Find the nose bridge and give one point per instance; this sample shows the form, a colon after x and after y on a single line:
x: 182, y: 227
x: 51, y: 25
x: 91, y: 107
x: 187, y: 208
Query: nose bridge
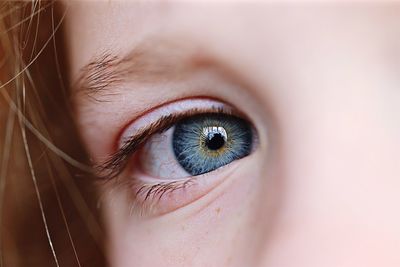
x: 335, y: 139
x: 336, y: 153
x: 339, y: 195
x: 338, y: 158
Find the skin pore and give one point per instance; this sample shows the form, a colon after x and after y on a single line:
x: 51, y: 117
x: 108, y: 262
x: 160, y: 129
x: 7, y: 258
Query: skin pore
x: 320, y: 85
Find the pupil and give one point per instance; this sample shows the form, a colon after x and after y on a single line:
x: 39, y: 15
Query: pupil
x: 215, y: 141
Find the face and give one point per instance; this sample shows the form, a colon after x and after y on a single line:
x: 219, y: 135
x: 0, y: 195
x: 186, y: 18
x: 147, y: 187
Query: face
x: 241, y: 134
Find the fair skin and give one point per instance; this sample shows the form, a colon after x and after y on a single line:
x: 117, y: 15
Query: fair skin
x: 320, y: 85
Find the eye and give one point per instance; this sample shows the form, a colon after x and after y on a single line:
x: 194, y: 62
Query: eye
x: 178, y: 152
x: 197, y: 145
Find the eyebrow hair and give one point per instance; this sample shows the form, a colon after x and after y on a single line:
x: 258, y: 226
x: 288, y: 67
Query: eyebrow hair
x: 99, y: 74
x: 146, y: 62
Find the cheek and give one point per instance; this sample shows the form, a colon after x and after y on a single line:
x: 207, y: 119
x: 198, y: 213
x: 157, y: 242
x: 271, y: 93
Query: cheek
x: 216, y: 229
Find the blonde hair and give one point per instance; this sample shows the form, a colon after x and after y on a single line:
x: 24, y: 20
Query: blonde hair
x: 47, y: 201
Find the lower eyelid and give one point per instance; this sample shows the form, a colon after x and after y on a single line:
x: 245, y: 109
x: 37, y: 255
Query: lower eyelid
x: 158, y: 203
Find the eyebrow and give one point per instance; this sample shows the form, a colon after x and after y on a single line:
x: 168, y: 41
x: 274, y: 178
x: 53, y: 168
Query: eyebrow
x: 147, y: 62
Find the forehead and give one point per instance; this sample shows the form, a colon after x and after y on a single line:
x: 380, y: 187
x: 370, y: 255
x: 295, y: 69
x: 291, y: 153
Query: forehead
x: 255, y: 37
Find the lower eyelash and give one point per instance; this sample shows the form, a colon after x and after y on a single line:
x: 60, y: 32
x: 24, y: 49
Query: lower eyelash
x: 147, y: 196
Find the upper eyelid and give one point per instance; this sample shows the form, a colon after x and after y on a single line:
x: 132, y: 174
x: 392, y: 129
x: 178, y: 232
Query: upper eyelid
x: 117, y: 162
x: 195, y: 104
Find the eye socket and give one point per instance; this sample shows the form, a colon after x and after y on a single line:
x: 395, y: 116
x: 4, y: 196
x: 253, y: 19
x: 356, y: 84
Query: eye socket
x: 171, y: 155
x: 197, y: 145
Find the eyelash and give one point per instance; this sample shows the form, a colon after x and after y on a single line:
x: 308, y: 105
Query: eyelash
x: 148, y: 194
x: 118, y: 161
x: 153, y: 193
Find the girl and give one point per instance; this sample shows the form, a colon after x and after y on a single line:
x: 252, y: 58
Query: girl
x: 218, y: 134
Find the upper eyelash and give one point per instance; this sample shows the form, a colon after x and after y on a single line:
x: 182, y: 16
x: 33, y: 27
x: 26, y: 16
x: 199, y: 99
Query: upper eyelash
x: 117, y: 162
x: 112, y: 167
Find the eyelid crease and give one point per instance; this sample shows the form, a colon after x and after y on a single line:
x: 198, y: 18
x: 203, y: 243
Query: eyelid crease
x: 112, y: 167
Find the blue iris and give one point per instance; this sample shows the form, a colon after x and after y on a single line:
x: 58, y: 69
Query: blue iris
x: 205, y: 142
